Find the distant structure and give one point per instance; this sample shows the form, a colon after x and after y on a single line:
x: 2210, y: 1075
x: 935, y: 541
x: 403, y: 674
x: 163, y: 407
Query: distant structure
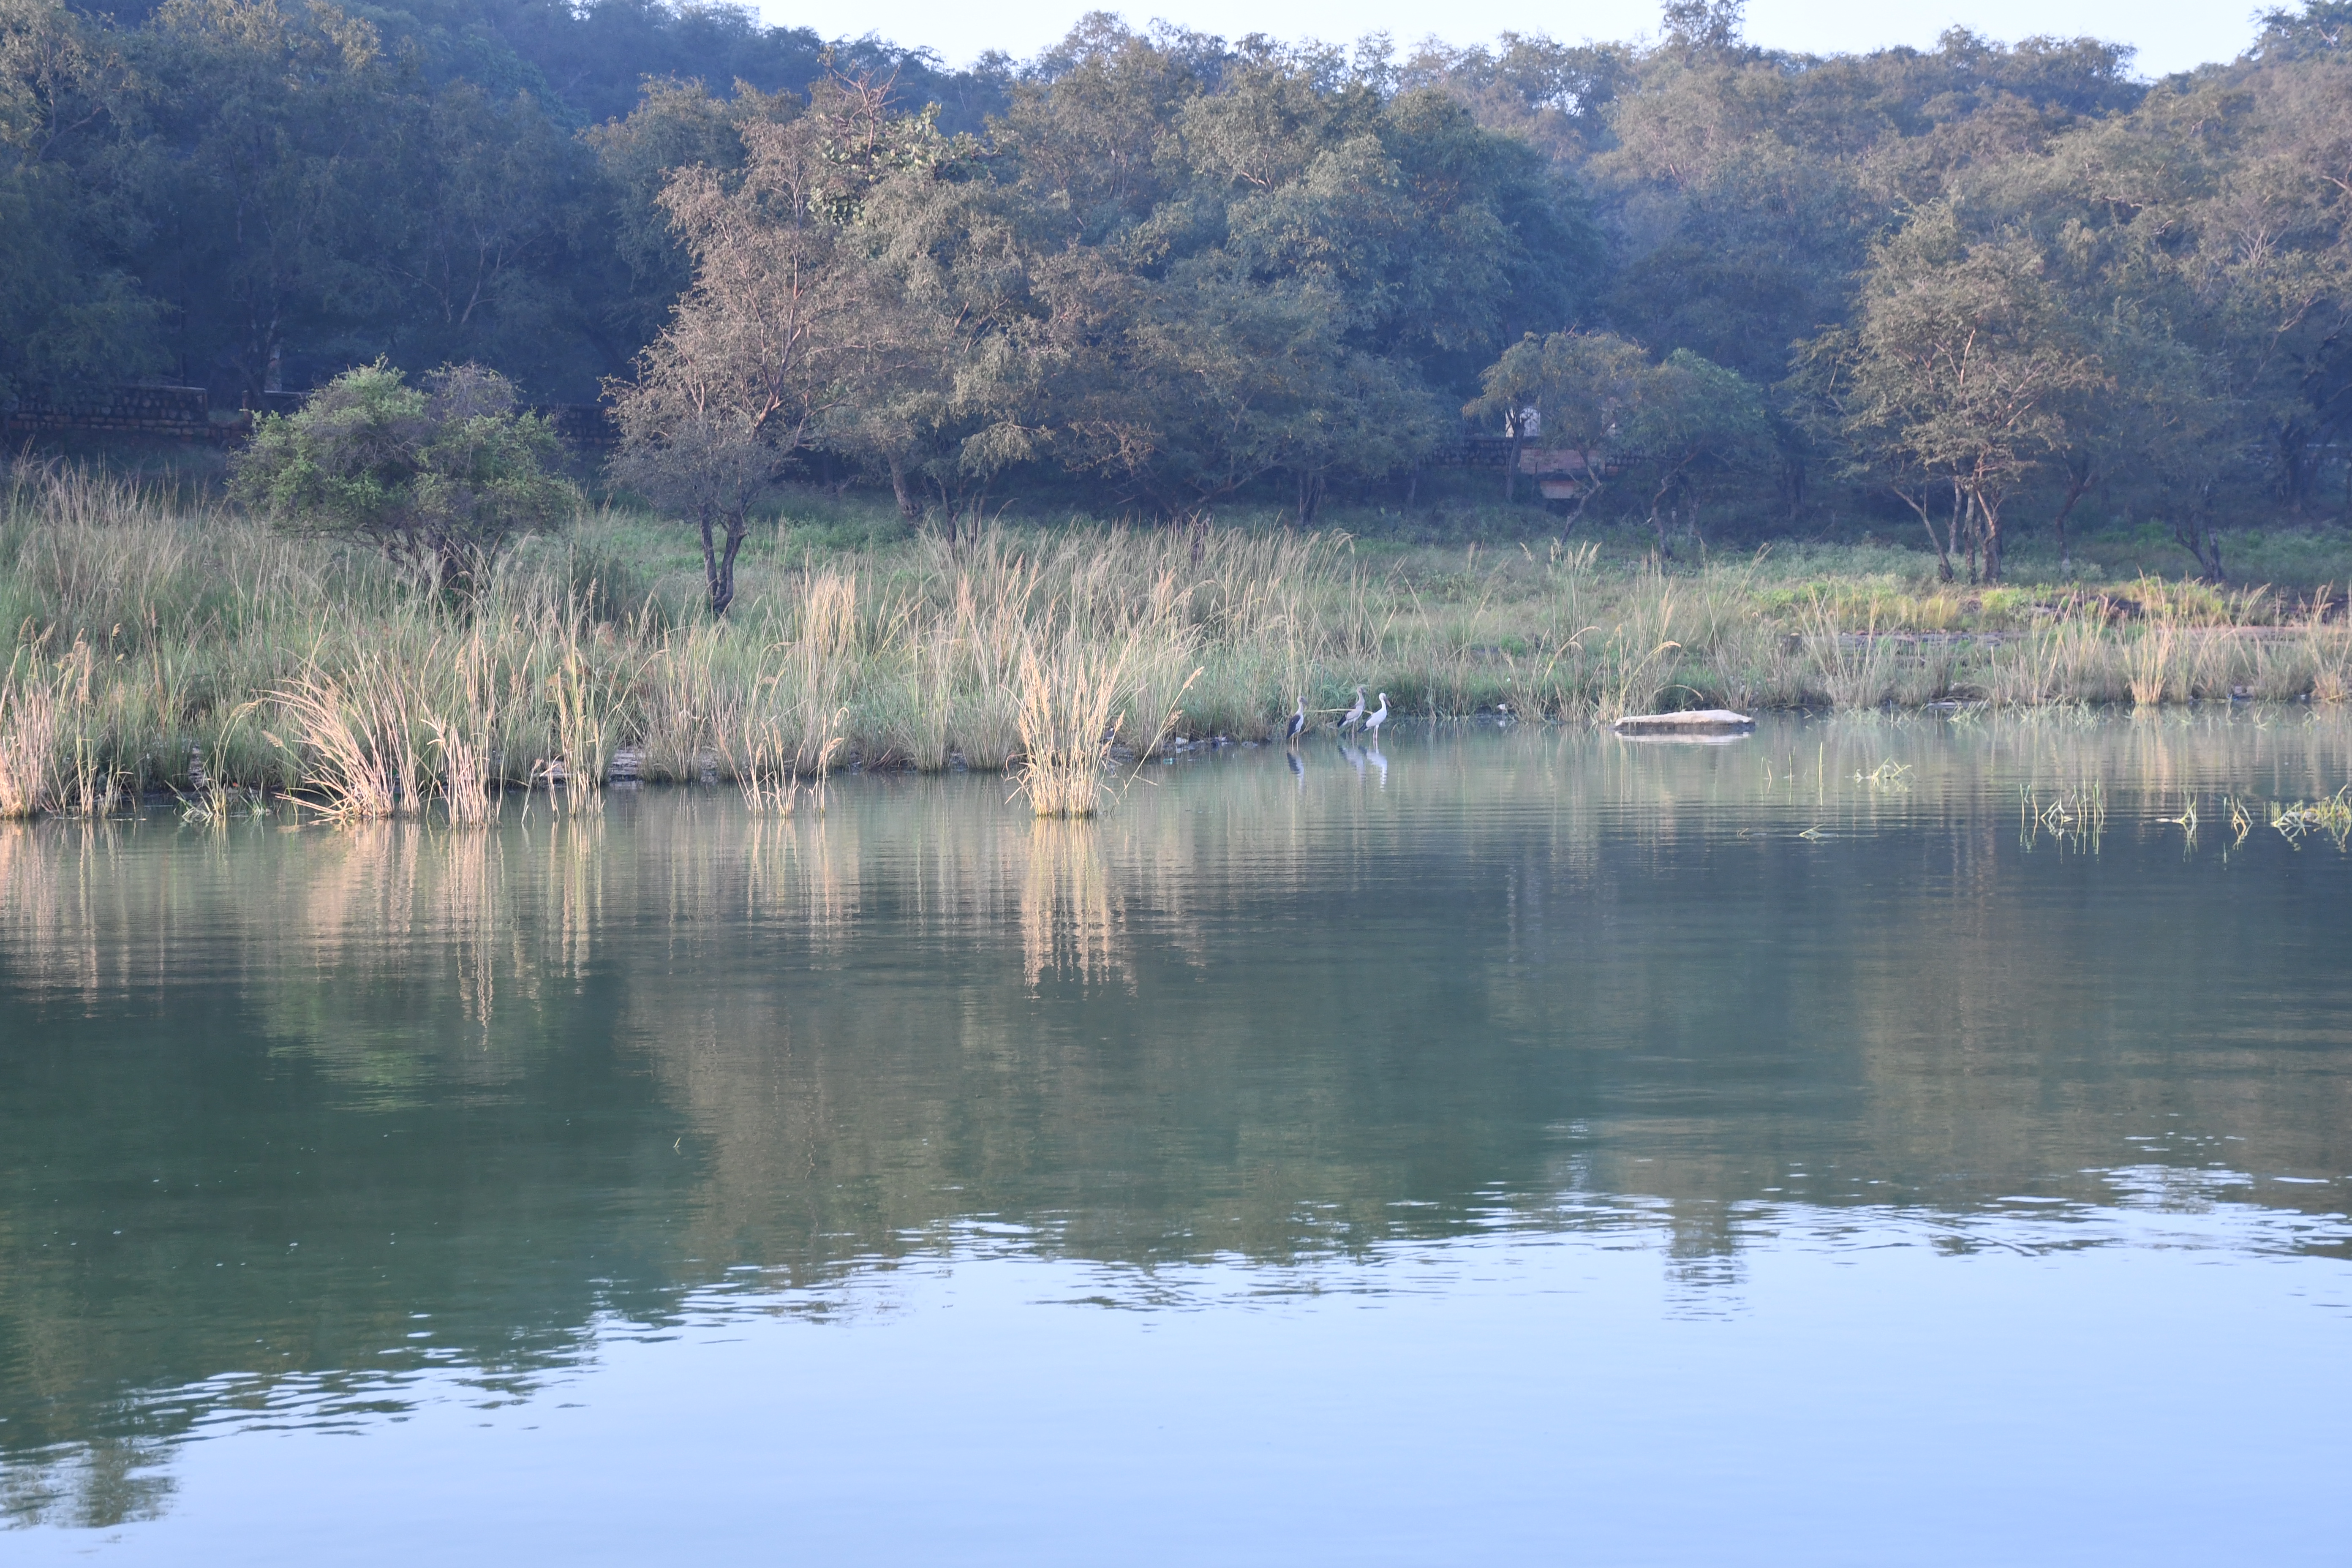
x: 1564, y: 474
x: 186, y: 413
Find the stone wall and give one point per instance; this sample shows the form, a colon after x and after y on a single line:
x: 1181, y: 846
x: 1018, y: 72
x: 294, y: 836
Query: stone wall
x: 184, y: 411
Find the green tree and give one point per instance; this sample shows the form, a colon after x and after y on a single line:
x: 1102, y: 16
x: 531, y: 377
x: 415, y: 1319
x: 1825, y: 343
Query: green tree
x: 69, y: 311
x: 488, y: 203
x: 1962, y: 362
x: 1697, y: 427
x: 267, y: 176
x: 709, y: 465
x: 773, y: 339
x: 443, y: 476
x: 675, y: 125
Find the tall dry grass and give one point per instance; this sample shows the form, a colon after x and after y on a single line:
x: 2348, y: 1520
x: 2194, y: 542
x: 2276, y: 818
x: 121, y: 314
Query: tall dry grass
x: 2330, y: 646
x: 1098, y: 670
x: 1856, y: 668
x: 158, y: 640
x: 28, y: 740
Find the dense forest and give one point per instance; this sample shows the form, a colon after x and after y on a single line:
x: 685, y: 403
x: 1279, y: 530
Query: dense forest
x: 1715, y: 289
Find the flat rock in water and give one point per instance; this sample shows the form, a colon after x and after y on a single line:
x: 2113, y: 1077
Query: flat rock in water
x: 1699, y: 721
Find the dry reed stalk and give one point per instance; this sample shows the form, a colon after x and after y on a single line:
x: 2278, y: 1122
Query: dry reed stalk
x: 463, y: 737
x: 2048, y: 665
x: 208, y: 803
x: 2331, y: 814
x: 763, y: 770
x: 28, y: 732
x: 1074, y: 696
x: 991, y: 622
x: 2076, y: 814
x: 927, y: 741
x: 40, y: 705
x: 2325, y: 648
x: 465, y: 790
x: 683, y: 702
x: 2150, y: 661
x: 581, y: 733
x: 86, y: 786
x: 346, y: 758
x: 822, y: 660
x: 1853, y: 669
x: 1068, y: 717
x: 93, y: 789
x: 2331, y: 651
x: 1626, y: 675
x: 767, y: 771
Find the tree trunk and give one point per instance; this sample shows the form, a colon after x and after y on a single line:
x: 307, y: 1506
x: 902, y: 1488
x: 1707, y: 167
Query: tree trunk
x: 1973, y: 538
x: 2297, y: 464
x: 722, y: 585
x: 1918, y: 505
x: 2196, y: 534
x: 1952, y: 530
x: 1793, y: 486
x: 908, y: 508
x: 1511, y: 464
x: 948, y: 521
x: 2079, y: 480
x: 711, y: 571
x: 1310, y: 496
x: 1661, y: 514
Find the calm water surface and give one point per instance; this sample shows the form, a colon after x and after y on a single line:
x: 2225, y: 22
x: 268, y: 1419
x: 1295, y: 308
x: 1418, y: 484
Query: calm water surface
x: 1861, y: 1143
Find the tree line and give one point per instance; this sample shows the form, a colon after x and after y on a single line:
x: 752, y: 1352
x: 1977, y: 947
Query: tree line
x: 1710, y: 287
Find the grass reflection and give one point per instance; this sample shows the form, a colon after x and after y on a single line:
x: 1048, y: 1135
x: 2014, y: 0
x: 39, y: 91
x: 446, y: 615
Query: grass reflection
x: 1070, y: 919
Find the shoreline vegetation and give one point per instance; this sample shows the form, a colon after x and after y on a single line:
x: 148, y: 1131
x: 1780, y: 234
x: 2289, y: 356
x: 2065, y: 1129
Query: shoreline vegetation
x: 162, y: 643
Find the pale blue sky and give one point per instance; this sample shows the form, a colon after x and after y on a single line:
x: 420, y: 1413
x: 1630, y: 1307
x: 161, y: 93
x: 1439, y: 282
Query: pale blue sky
x: 2170, y: 35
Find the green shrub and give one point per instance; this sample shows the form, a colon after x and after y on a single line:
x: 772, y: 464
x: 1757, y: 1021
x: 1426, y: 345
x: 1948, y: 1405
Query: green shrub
x: 443, y: 476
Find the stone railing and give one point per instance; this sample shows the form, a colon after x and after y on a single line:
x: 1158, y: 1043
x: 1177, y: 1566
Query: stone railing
x: 185, y: 413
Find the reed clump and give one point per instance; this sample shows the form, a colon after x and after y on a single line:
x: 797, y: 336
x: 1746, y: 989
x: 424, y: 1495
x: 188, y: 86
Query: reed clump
x: 2328, y: 637
x: 1855, y: 668
x: 158, y: 640
x: 29, y: 737
x: 1096, y: 670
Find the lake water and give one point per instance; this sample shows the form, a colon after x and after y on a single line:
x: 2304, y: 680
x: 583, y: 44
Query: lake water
x: 1863, y: 1141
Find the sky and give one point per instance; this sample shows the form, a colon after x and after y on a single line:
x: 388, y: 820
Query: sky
x: 2170, y: 35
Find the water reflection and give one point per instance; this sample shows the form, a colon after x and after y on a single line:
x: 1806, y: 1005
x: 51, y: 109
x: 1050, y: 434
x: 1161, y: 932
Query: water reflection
x: 289, y: 1116
x: 1071, y: 923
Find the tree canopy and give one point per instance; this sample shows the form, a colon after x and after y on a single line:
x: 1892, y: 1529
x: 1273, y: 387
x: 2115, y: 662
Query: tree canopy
x: 1170, y: 270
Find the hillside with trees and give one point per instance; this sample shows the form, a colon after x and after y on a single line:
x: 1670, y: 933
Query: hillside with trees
x: 1715, y: 290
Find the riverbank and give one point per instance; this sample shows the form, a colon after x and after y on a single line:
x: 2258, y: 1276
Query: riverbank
x: 166, y: 643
